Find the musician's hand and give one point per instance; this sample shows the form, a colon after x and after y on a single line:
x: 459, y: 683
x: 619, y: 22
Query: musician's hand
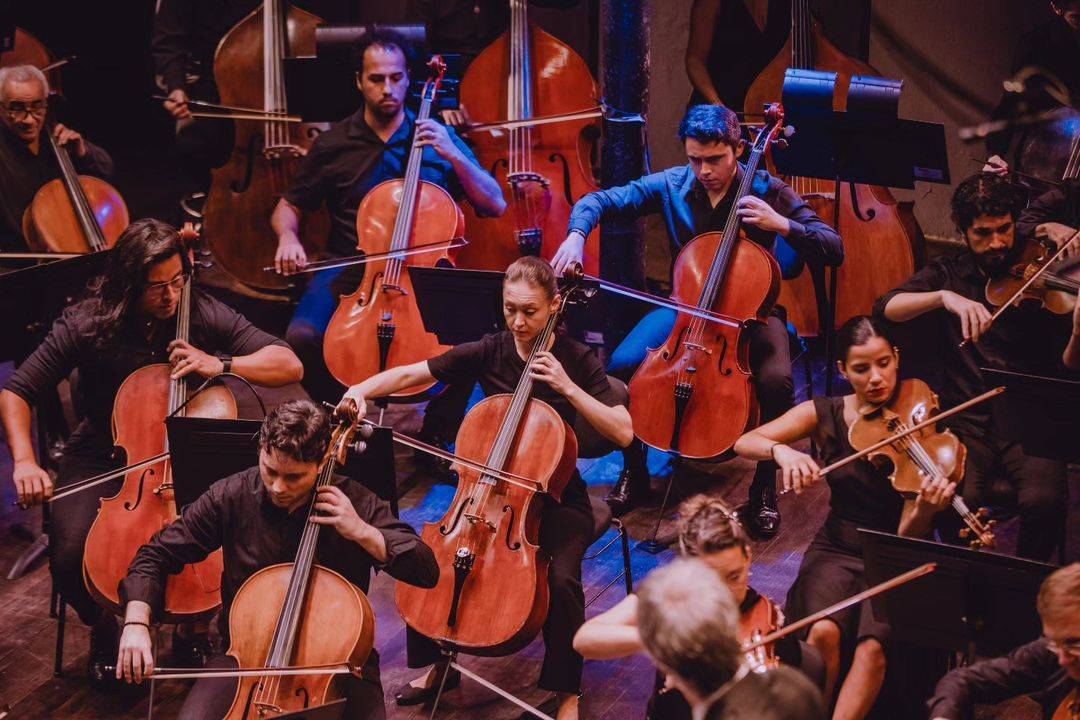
x: 290, y: 255
x: 68, y: 137
x: 136, y: 657
x: 177, y: 104
x: 547, y: 369
x: 353, y: 402
x: 1059, y: 235
x: 32, y: 483
x: 755, y: 211
x: 798, y: 470
x: 997, y: 165
x: 974, y: 317
x: 458, y: 119
x: 429, y: 132
x: 185, y: 359
x: 333, y: 508
x: 571, y: 251
x: 935, y: 495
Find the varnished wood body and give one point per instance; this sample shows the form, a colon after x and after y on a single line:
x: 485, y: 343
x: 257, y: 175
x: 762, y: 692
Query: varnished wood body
x: 504, y: 600
x: 559, y: 152
x: 244, y: 191
x: 337, y: 626
x: 760, y: 620
x: 28, y: 50
x: 722, y: 405
x: 51, y: 225
x: 1000, y: 290
x: 118, y: 532
x: 350, y: 346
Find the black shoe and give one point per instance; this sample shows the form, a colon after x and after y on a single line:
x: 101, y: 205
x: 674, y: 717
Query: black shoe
x: 760, y: 514
x: 412, y: 695
x: 629, y: 491
x: 104, y: 647
x: 190, y: 652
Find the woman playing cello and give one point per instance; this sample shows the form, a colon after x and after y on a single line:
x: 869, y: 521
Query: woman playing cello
x: 572, y: 380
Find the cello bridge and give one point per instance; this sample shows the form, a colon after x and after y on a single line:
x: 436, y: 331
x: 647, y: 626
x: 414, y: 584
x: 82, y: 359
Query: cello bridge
x: 697, y: 346
x: 478, y: 519
x: 167, y: 485
x: 265, y: 709
x: 387, y: 287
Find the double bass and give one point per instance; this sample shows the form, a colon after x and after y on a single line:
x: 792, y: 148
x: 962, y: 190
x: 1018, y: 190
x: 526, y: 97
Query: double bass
x: 249, y: 71
x: 379, y: 325
x: 543, y: 169
x: 146, y: 502
x: 883, y: 243
x: 28, y: 50
x: 701, y: 372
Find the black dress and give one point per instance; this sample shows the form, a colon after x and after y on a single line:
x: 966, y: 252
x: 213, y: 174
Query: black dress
x: 832, y: 568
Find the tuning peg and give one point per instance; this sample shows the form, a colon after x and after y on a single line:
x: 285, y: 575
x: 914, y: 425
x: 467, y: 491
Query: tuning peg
x: 788, y: 131
x: 358, y: 447
x: 781, y: 144
x: 965, y: 533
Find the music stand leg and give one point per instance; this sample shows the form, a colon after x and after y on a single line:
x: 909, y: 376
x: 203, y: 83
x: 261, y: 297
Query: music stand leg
x: 828, y: 323
x: 451, y: 662
x: 653, y: 545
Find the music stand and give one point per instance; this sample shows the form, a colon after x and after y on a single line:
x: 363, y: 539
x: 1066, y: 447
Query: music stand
x: 1037, y: 412
x: 458, y: 305
x: 330, y: 711
x: 976, y: 602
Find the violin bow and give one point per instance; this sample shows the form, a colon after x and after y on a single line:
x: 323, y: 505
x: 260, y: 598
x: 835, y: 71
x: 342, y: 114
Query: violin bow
x: 1034, y: 276
x: 908, y: 431
x: 165, y: 673
x: 372, y: 257
x: 233, y: 112
x: 103, y: 478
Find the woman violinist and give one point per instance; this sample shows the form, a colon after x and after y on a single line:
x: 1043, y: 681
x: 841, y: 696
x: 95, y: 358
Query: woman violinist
x: 572, y: 381
x: 707, y: 529
x: 861, y: 497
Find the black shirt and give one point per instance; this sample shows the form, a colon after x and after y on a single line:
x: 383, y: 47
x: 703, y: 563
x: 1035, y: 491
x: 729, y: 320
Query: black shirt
x: 349, y: 159
x: 779, y: 694
x: 1023, y: 339
x: 1060, y: 205
x: 1030, y: 669
x: 22, y: 173
x: 73, y: 344
x: 236, y: 515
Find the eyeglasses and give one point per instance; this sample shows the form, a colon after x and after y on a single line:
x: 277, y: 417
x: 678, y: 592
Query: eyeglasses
x: 158, y: 289
x: 19, y: 111
x: 1069, y: 646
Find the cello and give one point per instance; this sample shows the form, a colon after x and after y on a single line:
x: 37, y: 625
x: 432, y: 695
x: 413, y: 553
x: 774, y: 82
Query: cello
x: 249, y: 71
x: 883, y: 243
x: 379, y: 325
x: 528, y: 73
x: 700, y: 373
x: 146, y: 503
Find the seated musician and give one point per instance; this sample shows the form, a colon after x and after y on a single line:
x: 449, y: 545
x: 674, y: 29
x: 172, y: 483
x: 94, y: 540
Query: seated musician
x: 861, y: 497
x: 951, y: 292
x: 346, y: 162
x: 709, y: 530
x: 257, y: 516
x: 572, y: 380
x: 126, y: 323
x: 689, y: 625
x: 1048, y: 669
x: 697, y: 198
x: 26, y: 163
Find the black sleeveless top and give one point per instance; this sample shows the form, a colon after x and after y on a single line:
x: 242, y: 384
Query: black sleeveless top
x: 861, y: 494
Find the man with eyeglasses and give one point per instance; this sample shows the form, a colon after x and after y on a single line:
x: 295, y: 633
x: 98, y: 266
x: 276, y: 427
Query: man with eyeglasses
x: 1048, y: 669
x: 25, y: 165
x: 127, y: 321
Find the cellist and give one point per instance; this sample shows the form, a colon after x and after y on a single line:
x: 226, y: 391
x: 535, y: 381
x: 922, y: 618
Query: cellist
x: 257, y: 517
x: 24, y: 164
x: 572, y: 381
x: 951, y: 292
x: 125, y: 323
x: 344, y: 163
x: 693, y: 199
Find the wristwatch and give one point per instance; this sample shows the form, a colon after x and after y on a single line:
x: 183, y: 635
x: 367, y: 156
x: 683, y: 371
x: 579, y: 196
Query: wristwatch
x: 226, y: 363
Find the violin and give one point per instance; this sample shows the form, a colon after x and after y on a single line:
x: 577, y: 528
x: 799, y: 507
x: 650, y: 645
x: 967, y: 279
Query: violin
x: 492, y: 594
x: 74, y: 213
x: 764, y: 618
x: 544, y: 169
x: 1069, y: 709
x: 701, y: 373
x: 379, y: 325
x: 146, y: 502
x: 267, y: 146
x: 1056, y: 293
x: 918, y: 455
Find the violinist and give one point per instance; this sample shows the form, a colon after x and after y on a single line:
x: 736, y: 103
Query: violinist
x: 709, y: 530
x: 257, y: 517
x: 693, y: 199
x: 347, y: 161
x: 25, y: 165
x: 572, y: 380
x: 689, y: 623
x: 861, y: 497
x: 951, y: 291
x: 125, y: 323
x: 1048, y: 669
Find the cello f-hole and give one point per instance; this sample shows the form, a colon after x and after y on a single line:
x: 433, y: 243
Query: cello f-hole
x: 138, y: 496
x: 871, y: 213
x: 494, y: 169
x: 516, y: 545
x: 302, y: 692
x: 249, y: 168
x: 561, y: 159
x: 723, y: 356
x: 443, y: 529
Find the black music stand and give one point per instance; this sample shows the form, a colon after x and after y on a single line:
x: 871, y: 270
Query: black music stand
x: 458, y: 305
x: 1037, y: 412
x: 976, y: 602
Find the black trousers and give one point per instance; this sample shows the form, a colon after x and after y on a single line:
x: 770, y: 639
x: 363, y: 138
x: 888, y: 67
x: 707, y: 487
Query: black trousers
x: 210, y: 698
x: 1040, y: 486
x: 566, y: 531
x: 69, y: 523
x: 770, y: 363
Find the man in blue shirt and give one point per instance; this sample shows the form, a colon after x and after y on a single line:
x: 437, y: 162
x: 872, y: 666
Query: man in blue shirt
x: 346, y: 162
x: 694, y: 199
